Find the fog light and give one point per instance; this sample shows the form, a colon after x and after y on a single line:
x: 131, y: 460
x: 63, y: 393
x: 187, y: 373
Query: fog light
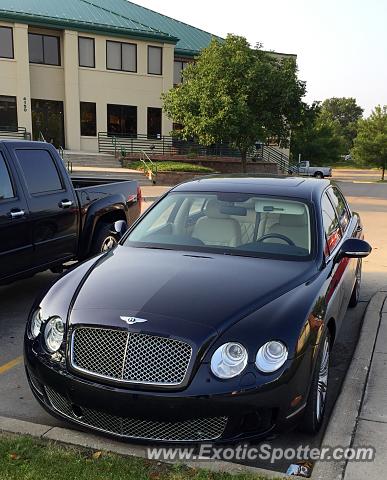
x: 77, y: 411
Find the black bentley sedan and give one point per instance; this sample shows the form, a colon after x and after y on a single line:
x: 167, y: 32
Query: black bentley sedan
x: 212, y: 320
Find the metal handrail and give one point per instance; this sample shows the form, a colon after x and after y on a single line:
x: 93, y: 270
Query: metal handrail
x: 41, y: 138
x: 150, y: 167
x: 68, y: 164
x: 270, y: 154
x: 12, y: 132
x: 170, y: 146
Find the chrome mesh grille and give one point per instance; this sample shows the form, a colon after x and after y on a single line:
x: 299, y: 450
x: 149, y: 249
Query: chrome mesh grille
x: 130, y: 357
x: 195, y: 430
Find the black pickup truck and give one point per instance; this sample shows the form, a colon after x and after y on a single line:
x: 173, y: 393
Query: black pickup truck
x: 48, y: 218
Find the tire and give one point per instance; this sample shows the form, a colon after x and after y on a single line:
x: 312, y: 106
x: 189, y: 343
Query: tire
x: 315, y: 408
x: 355, y: 296
x: 104, y: 239
x: 319, y: 175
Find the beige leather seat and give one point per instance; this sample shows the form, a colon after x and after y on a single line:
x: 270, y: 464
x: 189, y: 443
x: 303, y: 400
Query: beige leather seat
x: 295, y: 227
x: 216, y: 228
x: 247, y: 225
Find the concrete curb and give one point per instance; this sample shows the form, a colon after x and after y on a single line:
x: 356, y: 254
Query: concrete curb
x: 345, y: 415
x: 79, y: 439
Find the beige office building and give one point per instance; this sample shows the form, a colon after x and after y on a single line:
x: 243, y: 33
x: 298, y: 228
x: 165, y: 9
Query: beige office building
x: 71, y: 71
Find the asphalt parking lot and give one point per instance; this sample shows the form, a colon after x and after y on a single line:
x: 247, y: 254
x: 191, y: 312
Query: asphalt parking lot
x: 369, y: 199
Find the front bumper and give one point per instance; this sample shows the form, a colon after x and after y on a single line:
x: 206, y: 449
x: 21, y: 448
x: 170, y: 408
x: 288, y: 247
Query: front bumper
x: 193, y: 415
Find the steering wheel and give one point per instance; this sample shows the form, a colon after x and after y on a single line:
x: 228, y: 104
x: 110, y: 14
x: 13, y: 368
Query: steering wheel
x: 277, y: 235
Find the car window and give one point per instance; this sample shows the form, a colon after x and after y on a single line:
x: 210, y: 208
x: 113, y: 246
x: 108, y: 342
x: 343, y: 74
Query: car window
x: 331, y: 224
x: 6, y: 190
x: 197, y: 206
x: 232, y: 223
x: 341, y: 207
x: 164, y: 217
x: 40, y: 172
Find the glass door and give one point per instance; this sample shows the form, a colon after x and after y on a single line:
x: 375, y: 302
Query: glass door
x: 48, y: 120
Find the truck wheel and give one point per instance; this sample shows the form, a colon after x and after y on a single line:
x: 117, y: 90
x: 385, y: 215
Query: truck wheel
x: 319, y: 175
x: 104, y: 239
x: 315, y: 408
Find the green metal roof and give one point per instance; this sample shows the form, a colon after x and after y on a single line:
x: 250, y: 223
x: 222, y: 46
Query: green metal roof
x: 118, y: 17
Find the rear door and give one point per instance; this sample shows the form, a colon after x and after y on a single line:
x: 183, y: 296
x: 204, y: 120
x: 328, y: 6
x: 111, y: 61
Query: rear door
x: 16, y: 249
x: 53, y: 207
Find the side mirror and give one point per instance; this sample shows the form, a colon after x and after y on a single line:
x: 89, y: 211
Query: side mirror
x: 354, y: 248
x: 120, y: 227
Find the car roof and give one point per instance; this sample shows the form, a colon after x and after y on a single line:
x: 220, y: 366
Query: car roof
x: 284, y: 186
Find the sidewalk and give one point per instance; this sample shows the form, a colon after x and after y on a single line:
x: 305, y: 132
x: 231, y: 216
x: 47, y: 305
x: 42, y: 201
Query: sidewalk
x: 151, y: 193
x: 371, y: 428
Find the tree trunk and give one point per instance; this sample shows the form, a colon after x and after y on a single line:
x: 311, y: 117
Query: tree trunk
x: 244, y: 162
x: 383, y: 170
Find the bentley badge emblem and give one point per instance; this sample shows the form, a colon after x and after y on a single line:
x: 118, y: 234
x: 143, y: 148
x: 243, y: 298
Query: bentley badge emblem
x: 133, y: 320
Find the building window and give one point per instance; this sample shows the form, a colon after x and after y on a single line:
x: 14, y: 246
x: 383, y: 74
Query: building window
x: 121, y: 56
x: 6, y: 42
x: 122, y: 120
x: 155, y: 60
x: 8, y: 114
x: 44, y: 49
x: 86, y: 47
x: 179, y: 66
x: 88, y: 119
x: 154, y: 122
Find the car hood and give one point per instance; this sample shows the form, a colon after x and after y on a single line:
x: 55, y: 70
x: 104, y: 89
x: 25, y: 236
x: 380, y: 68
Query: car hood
x: 181, y: 292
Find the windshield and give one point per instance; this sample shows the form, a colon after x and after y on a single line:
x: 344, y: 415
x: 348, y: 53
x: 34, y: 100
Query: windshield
x: 235, y: 224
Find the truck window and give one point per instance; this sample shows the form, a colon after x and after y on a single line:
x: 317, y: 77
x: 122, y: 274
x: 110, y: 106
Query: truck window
x: 6, y: 190
x: 40, y: 172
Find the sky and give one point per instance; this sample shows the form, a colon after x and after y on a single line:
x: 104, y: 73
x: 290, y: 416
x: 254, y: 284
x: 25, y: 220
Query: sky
x: 341, y: 45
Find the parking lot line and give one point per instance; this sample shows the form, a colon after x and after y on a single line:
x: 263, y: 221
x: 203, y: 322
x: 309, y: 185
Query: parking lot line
x: 8, y: 366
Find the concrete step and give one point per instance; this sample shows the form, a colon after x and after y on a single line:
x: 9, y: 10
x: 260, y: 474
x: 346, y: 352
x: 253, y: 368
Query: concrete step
x: 92, y: 160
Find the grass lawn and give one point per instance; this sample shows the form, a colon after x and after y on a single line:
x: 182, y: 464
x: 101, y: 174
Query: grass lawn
x: 166, y: 166
x: 24, y: 458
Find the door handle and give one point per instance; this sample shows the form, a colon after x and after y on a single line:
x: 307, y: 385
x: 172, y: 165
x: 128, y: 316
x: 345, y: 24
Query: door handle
x: 16, y: 214
x: 65, y: 204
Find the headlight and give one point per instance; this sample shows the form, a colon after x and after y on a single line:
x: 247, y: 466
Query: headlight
x: 271, y: 357
x: 229, y: 360
x: 53, y: 334
x: 36, y: 323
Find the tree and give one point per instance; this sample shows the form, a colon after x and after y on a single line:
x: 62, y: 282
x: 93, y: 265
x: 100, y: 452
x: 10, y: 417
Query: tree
x: 238, y: 95
x: 315, y: 138
x: 345, y: 113
x: 370, y: 145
